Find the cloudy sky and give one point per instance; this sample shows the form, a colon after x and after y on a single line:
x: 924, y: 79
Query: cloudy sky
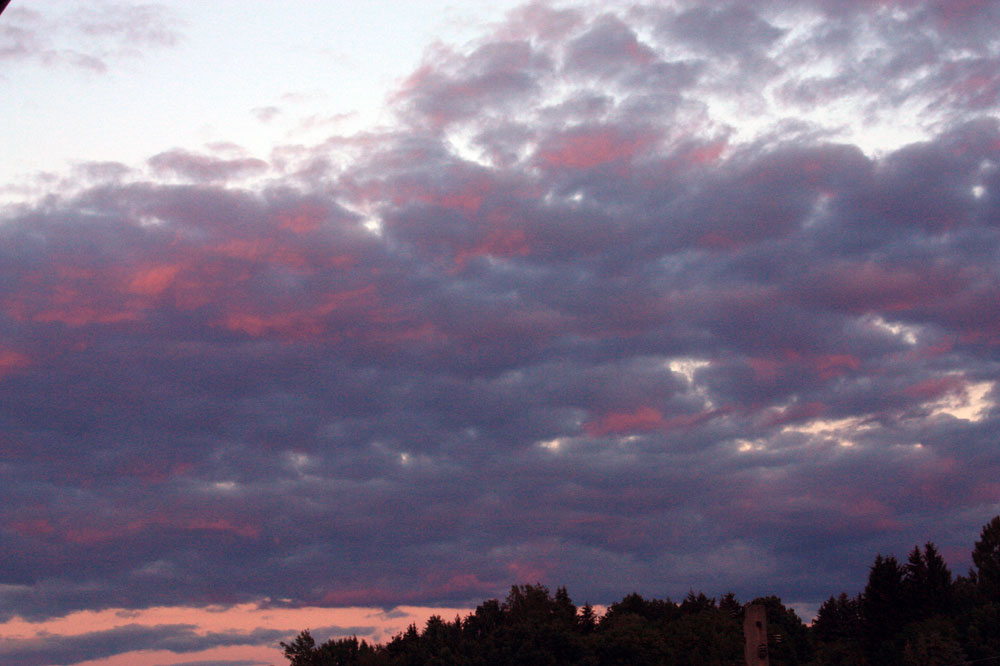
x: 333, y: 315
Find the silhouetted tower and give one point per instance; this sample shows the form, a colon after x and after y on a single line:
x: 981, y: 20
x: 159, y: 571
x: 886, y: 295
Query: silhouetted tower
x: 755, y: 635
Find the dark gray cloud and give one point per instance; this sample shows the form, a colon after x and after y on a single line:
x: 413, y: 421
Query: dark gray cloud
x: 584, y: 334
x: 608, y: 47
x: 725, y: 29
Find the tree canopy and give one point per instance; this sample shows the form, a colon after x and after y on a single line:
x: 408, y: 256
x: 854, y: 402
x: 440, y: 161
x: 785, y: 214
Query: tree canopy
x: 911, y: 614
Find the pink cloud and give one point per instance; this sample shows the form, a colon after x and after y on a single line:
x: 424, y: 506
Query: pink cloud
x: 935, y: 387
x: 829, y: 366
x: 498, y: 243
x: 33, y: 527
x: 708, y: 153
x: 152, y: 471
x: 588, y: 148
x: 871, y: 286
x: 83, y: 315
x: 12, y: 361
x: 765, y: 369
x: 823, y: 366
x: 153, y: 280
x: 454, y: 584
x: 305, y: 219
x: 642, y: 419
x: 377, y: 625
x: 101, y: 533
x: 953, y: 12
x: 934, y: 480
x: 872, y: 513
x: 458, y: 190
x: 300, y: 324
x: 70, y: 295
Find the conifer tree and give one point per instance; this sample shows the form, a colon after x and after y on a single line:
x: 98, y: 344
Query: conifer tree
x: 986, y: 558
x: 883, y: 610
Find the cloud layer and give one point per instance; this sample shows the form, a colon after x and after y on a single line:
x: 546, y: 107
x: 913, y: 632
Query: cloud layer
x: 649, y: 300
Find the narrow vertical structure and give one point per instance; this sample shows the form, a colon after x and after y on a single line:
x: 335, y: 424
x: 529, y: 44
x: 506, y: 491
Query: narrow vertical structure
x: 755, y: 635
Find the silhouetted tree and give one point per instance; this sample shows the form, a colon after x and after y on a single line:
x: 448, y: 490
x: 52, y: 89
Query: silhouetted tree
x: 932, y: 642
x: 986, y: 558
x: 405, y: 648
x: 696, y: 603
x: 346, y: 652
x: 539, y: 629
x: 837, y: 631
x: 927, y: 584
x: 653, y: 610
x: 838, y: 619
x: 794, y: 645
x: 628, y: 639
x: 909, y: 615
x: 484, y: 621
x: 565, y: 611
x: 703, y: 634
x: 586, y: 619
x: 883, y: 611
x: 301, y: 651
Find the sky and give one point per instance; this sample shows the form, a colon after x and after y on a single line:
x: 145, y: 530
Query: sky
x: 338, y: 315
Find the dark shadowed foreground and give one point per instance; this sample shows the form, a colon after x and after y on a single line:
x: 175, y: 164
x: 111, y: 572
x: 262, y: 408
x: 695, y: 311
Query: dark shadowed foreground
x: 911, y: 614
x: 612, y: 301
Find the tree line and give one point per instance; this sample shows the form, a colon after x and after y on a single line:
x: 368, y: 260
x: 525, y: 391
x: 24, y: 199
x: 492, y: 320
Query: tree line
x: 912, y: 613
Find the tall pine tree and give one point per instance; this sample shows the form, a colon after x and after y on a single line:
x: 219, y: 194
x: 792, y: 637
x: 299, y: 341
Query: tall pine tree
x: 883, y: 610
x: 986, y: 558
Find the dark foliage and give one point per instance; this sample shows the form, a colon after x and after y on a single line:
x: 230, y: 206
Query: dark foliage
x: 986, y: 558
x: 912, y: 614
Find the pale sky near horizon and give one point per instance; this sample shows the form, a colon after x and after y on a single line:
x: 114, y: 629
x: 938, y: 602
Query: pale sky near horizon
x: 257, y: 75
x: 378, y: 308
